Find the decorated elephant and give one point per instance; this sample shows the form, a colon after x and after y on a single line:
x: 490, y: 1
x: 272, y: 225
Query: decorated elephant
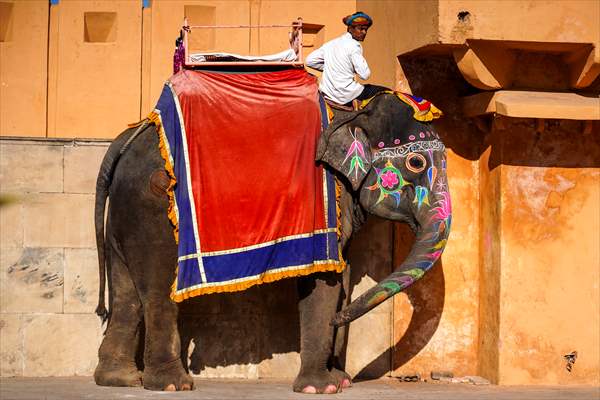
x: 387, y: 160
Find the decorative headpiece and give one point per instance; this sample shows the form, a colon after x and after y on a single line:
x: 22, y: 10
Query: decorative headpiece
x: 358, y: 18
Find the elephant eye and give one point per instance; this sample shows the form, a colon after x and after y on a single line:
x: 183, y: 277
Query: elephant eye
x: 415, y: 162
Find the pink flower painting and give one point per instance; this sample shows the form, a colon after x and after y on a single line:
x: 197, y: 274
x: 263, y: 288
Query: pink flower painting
x: 389, y: 179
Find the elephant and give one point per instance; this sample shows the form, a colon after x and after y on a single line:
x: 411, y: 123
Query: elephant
x: 387, y: 162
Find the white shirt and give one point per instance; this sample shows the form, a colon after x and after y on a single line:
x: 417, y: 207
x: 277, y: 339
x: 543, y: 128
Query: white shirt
x: 340, y: 59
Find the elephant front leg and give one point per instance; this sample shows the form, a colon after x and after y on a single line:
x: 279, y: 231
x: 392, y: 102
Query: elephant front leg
x: 319, y: 297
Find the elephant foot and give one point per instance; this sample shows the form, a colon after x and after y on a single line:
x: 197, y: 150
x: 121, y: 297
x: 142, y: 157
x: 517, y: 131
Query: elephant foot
x: 115, y: 373
x: 168, y: 377
x: 342, y: 377
x: 317, y: 382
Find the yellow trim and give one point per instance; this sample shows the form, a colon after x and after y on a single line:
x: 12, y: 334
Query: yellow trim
x: 338, y: 214
x: 263, y: 278
x: 136, y: 124
x: 330, y: 113
x: 172, y: 214
x: 424, y: 116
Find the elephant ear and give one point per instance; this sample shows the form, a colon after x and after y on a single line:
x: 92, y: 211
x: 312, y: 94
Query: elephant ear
x: 347, y: 150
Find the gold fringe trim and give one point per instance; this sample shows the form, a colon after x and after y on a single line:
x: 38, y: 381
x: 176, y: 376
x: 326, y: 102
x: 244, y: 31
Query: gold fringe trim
x: 266, y: 278
x: 338, y: 215
x: 338, y: 209
x: 136, y: 124
x: 424, y: 116
x: 154, y: 118
x: 330, y: 113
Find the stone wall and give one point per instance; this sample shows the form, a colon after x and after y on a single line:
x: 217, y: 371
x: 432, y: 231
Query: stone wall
x: 48, y: 263
x: 49, y: 283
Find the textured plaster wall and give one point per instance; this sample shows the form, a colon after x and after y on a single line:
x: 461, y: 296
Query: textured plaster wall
x: 550, y: 253
x: 544, y: 21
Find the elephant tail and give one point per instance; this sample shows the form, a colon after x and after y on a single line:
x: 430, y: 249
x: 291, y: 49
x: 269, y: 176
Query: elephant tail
x: 103, y: 182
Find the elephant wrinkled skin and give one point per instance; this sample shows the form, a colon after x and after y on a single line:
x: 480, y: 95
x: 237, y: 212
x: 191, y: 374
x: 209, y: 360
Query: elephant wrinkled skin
x: 388, y: 164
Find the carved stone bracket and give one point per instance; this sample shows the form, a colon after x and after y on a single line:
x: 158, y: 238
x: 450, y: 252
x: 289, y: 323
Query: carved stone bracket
x: 499, y: 64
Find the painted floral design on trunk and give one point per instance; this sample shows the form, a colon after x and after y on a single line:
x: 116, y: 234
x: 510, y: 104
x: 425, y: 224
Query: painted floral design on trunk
x: 434, y: 240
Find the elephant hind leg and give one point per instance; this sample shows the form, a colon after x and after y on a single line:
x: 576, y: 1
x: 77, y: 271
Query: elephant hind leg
x: 153, y: 271
x: 116, y: 365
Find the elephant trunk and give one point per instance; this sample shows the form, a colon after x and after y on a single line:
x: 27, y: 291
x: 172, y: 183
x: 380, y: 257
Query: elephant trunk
x: 431, y: 237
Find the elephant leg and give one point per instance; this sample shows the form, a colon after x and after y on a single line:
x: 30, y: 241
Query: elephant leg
x: 116, y: 366
x: 164, y: 369
x: 153, y: 274
x: 319, y: 298
x: 341, y: 336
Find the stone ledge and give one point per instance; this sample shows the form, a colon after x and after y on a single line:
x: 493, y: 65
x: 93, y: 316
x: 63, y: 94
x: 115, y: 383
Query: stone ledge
x: 54, y: 141
x: 527, y: 104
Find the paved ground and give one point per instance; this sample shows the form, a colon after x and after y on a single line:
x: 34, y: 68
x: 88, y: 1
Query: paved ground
x: 384, y: 389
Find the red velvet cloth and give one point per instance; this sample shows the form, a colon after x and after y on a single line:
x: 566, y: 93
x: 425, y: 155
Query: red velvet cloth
x: 251, y: 141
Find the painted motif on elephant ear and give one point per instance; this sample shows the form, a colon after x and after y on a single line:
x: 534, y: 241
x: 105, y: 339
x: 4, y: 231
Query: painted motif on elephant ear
x: 389, y: 183
x: 356, y: 155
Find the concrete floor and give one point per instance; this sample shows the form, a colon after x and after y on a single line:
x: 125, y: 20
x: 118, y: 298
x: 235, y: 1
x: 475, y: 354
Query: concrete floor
x: 383, y: 389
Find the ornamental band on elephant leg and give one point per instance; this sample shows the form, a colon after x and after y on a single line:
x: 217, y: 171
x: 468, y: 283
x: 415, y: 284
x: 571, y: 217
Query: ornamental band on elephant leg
x: 387, y: 158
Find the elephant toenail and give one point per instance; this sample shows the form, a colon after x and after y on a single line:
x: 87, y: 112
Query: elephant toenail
x: 170, y: 388
x: 331, y: 389
x: 186, y: 387
x: 310, y: 390
x: 346, y: 383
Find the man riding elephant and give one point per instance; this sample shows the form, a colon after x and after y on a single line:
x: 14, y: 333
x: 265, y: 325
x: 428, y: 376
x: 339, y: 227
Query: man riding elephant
x: 341, y: 59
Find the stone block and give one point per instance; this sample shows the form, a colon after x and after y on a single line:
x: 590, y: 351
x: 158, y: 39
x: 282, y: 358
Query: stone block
x: 11, y: 345
x: 280, y: 344
x: 81, y: 280
x: 61, y: 344
x: 31, y: 280
x: 59, y: 220
x: 31, y: 167
x: 81, y: 167
x: 280, y: 366
x: 11, y: 224
x: 369, y: 356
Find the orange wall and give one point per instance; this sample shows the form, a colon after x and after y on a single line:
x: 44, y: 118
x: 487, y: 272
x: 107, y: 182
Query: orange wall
x: 544, y: 21
x: 93, y: 76
x: 398, y: 27
x: 23, y: 61
x: 93, y: 80
x: 550, y: 254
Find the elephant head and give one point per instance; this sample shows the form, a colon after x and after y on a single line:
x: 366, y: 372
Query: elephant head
x: 396, y: 165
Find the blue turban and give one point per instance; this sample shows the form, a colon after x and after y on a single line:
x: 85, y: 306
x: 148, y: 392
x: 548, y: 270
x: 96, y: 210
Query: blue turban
x: 358, y: 18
